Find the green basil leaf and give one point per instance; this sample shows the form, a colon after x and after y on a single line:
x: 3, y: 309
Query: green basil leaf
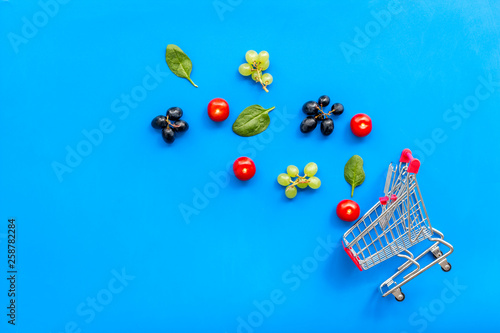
x: 252, y: 121
x: 179, y: 63
x: 354, y: 173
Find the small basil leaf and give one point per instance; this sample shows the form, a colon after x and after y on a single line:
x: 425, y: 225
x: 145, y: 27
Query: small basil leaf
x: 179, y: 63
x: 252, y: 121
x: 354, y: 173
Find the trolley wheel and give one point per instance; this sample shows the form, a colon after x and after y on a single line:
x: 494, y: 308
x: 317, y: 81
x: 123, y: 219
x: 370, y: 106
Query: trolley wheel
x: 447, y: 270
x: 439, y: 254
x: 402, y: 298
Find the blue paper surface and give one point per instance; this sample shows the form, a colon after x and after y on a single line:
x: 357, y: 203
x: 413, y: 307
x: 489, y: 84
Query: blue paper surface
x: 116, y: 231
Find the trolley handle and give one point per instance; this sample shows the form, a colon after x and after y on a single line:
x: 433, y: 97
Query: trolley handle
x: 407, y: 157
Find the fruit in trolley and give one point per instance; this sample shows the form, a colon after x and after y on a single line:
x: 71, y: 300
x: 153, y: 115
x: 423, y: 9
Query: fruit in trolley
x: 392, y: 227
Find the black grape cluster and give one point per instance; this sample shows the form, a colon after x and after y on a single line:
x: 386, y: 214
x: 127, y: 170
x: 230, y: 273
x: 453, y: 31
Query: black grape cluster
x: 170, y: 124
x: 315, y: 113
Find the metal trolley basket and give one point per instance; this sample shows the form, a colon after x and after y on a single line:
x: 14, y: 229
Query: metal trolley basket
x: 395, y: 223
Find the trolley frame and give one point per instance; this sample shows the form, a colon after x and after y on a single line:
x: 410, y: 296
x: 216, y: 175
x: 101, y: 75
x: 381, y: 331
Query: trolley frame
x: 398, y: 221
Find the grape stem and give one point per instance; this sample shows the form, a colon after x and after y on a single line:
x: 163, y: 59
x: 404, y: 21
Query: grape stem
x: 255, y: 66
x: 322, y: 113
x: 173, y: 125
x: 299, y: 180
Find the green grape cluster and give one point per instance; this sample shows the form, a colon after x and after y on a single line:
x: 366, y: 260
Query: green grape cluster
x: 256, y: 64
x: 286, y: 179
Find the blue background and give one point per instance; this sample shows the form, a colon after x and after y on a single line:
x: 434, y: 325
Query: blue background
x: 120, y: 206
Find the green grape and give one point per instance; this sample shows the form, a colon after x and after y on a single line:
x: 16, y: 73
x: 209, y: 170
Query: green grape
x: 311, y: 169
x: 263, y: 57
x: 267, y: 79
x: 245, y: 69
x: 314, y: 182
x: 291, y: 192
x: 265, y: 65
x: 255, y: 76
x: 302, y: 185
x: 284, y: 179
x: 292, y: 171
x: 251, y: 56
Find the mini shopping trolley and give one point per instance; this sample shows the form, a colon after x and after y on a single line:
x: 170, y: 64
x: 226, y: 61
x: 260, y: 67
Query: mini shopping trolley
x: 393, y: 225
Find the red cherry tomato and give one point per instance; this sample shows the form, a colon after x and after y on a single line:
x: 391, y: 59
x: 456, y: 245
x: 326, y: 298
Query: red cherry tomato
x: 348, y: 210
x: 244, y: 168
x: 361, y: 124
x: 218, y: 109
